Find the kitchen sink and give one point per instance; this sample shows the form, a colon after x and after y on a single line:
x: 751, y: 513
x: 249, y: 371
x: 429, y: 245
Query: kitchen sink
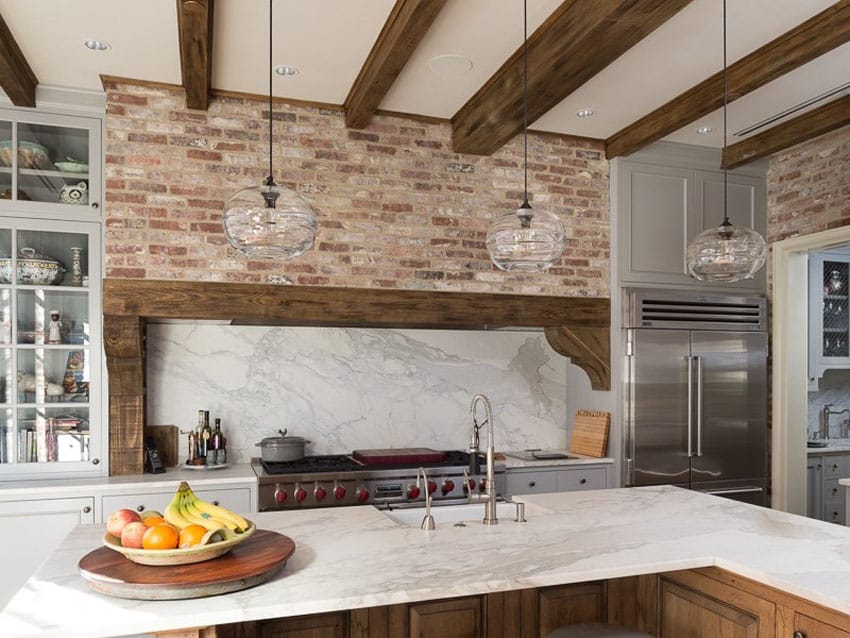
x: 466, y: 513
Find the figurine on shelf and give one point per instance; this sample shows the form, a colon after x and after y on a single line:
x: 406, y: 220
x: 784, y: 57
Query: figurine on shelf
x: 54, y: 328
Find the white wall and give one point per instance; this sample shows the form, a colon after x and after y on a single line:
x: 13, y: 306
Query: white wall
x: 348, y: 389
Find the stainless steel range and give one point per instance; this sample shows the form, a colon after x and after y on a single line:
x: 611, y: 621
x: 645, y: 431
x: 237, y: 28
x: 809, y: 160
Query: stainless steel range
x: 333, y: 480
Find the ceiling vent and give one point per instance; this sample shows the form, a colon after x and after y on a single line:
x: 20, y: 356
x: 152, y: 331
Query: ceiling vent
x: 814, y: 101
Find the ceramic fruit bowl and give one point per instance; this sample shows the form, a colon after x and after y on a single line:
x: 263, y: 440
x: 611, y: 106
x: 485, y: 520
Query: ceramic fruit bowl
x: 196, y: 554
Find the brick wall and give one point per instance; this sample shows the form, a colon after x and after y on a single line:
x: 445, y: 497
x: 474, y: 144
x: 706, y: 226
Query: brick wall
x: 808, y: 187
x: 396, y: 207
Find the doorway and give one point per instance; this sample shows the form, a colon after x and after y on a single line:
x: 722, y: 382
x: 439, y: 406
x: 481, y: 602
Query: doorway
x: 789, y: 403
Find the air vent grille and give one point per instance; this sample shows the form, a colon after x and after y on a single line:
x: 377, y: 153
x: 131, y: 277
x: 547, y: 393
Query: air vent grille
x: 697, y: 312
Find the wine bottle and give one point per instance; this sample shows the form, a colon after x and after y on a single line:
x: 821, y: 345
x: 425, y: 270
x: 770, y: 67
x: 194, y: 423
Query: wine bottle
x: 206, y: 433
x: 217, y: 436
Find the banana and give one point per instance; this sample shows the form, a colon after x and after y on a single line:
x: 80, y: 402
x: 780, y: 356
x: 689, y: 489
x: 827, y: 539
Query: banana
x: 189, y: 506
x: 232, y: 520
x: 173, y: 514
x: 191, y: 514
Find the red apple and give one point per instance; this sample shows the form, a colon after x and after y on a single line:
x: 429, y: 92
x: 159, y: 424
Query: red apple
x: 117, y: 520
x: 132, y: 534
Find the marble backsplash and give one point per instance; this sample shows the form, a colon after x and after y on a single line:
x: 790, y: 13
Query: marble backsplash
x: 346, y: 389
x: 834, y: 388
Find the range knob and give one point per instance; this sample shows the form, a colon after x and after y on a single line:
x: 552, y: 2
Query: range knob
x: 339, y: 492
x: 280, y: 495
x: 362, y: 494
x: 432, y: 487
x: 320, y: 493
x: 469, y: 486
x: 448, y: 486
x: 300, y: 494
x: 413, y: 492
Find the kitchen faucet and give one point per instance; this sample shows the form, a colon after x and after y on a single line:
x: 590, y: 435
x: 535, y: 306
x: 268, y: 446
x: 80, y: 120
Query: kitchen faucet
x: 489, y: 497
x: 428, y: 520
x: 827, y: 412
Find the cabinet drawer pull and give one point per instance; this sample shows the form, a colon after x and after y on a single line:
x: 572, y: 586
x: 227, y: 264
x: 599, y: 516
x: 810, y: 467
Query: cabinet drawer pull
x: 583, y: 481
x: 140, y: 508
x: 532, y: 483
x: 835, y: 467
x: 799, y: 634
x: 86, y: 509
x: 215, y: 502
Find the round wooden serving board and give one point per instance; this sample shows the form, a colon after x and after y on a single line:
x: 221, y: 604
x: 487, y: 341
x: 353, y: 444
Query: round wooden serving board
x: 250, y: 563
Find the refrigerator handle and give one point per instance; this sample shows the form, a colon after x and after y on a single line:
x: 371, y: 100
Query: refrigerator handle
x: 689, y: 360
x: 698, y: 361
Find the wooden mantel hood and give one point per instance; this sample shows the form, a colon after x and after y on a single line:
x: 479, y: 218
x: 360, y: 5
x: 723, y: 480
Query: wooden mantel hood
x: 576, y: 327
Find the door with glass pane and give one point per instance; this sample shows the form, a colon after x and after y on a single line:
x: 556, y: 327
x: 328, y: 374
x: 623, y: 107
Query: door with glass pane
x: 829, y: 312
x: 49, y: 346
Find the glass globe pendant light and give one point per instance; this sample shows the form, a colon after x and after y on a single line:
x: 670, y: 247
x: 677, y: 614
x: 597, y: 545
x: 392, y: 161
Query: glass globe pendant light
x: 727, y: 253
x: 526, y: 240
x: 269, y: 221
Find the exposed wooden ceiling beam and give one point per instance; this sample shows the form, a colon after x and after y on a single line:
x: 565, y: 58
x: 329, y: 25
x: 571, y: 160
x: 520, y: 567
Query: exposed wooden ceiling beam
x: 823, y: 119
x: 576, y: 42
x: 824, y: 32
x: 16, y: 77
x: 195, y: 25
x: 404, y: 29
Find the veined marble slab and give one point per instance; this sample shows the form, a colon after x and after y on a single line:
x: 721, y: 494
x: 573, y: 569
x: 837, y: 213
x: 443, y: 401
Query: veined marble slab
x: 357, y: 557
x: 346, y: 389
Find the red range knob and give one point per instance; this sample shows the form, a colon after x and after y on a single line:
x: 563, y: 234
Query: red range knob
x: 339, y: 492
x: 413, y: 492
x: 280, y: 495
x: 432, y: 487
x: 300, y: 494
x: 320, y: 493
x: 469, y: 486
x: 362, y: 494
x: 448, y: 486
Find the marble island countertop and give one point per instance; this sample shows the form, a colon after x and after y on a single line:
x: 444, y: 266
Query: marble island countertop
x: 357, y: 557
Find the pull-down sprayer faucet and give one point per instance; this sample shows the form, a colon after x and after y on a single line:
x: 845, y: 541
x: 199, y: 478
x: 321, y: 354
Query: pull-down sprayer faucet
x: 489, y: 497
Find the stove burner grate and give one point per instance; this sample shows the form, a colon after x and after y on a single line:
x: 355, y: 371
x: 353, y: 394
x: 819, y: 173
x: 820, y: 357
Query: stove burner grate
x: 326, y: 463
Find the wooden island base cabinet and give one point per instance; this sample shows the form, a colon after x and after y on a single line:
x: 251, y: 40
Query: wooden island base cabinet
x: 698, y: 603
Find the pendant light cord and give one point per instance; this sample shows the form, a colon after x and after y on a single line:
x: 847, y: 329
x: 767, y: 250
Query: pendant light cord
x: 270, y: 178
x: 525, y: 203
x: 725, y: 107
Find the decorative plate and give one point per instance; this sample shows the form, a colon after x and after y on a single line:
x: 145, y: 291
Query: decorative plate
x: 72, y: 167
x: 196, y: 554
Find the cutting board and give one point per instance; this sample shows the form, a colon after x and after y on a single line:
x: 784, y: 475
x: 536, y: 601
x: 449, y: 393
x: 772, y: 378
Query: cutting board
x: 254, y: 561
x: 590, y: 433
x: 399, y: 456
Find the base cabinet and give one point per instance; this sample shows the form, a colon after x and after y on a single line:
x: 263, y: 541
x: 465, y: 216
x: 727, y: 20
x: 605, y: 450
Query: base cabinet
x: 556, y: 478
x: 698, y: 603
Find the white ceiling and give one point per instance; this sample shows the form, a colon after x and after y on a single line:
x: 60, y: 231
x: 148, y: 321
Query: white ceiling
x: 328, y: 41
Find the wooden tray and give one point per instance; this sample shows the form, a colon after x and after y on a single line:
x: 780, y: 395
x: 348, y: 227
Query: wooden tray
x: 252, y: 562
x: 399, y: 456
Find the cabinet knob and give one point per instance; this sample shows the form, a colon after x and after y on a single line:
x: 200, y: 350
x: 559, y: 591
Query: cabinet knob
x: 86, y: 509
x: 799, y: 634
x: 583, y: 481
x: 140, y: 508
x: 95, y: 461
x: 532, y: 483
x: 215, y: 502
x: 95, y: 205
x: 834, y: 466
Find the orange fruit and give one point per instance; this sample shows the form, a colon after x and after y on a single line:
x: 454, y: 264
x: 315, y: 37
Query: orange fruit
x: 162, y: 536
x: 191, y: 535
x: 150, y: 521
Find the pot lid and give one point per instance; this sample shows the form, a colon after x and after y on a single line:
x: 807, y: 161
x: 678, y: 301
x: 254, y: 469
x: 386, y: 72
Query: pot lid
x: 283, y: 439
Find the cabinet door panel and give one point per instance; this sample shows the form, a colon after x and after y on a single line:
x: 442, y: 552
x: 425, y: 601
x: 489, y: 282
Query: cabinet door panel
x: 582, y: 479
x: 531, y: 482
x: 570, y: 605
x: 319, y: 626
x: 456, y: 618
x: 688, y: 613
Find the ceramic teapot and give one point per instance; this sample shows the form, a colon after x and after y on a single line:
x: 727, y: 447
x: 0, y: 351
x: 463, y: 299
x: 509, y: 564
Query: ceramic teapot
x: 74, y: 193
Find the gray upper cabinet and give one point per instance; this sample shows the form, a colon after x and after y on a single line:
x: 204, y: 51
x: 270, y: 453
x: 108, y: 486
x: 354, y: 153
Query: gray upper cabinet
x: 664, y: 199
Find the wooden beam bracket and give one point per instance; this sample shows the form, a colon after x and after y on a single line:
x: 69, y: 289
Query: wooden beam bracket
x: 16, y: 77
x: 195, y: 27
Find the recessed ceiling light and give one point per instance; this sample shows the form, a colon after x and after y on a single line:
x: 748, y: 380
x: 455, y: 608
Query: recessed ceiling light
x: 98, y: 45
x: 585, y: 113
x: 450, y: 64
x: 705, y: 130
x: 285, y: 70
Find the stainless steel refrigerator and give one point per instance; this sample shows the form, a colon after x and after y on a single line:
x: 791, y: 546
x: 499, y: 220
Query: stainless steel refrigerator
x: 696, y: 392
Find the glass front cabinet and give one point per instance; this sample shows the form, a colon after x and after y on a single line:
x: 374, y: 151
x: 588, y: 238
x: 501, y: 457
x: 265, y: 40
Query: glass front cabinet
x: 50, y: 163
x: 51, y: 384
x: 829, y: 313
